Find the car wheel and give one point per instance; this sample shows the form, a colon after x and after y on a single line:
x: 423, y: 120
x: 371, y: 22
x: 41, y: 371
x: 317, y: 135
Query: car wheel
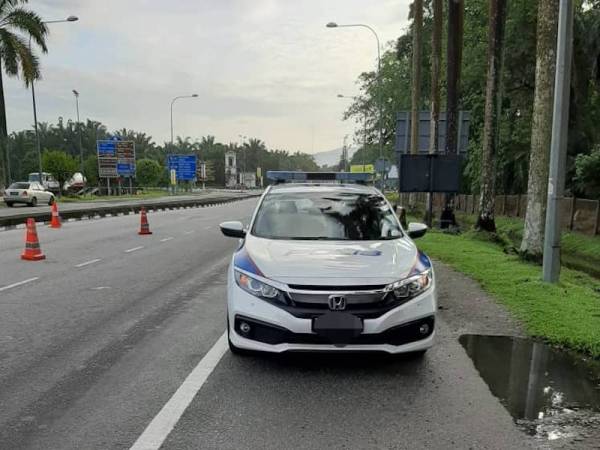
x: 33, y: 202
x: 51, y: 201
x: 9, y: 204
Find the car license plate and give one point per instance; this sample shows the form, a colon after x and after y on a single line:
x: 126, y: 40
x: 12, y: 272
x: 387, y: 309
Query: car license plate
x: 14, y: 193
x: 338, y: 327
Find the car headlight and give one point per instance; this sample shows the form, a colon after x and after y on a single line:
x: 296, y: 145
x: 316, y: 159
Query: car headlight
x: 255, y: 287
x: 412, y: 286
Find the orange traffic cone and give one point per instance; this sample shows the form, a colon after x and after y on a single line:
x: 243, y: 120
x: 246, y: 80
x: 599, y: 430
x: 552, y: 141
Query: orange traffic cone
x: 32, y: 250
x: 55, y: 222
x: 144, y: 226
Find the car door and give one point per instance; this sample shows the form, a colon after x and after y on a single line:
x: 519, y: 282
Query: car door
x: 40, y: 193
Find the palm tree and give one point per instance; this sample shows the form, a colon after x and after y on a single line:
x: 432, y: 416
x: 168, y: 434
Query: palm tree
x: 541, y: 131
x: 497, y: 19
x: 17, y: 24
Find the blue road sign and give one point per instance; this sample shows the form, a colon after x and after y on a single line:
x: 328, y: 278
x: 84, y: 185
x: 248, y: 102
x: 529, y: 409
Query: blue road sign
x: 184, y: 166
x: 116, y: 158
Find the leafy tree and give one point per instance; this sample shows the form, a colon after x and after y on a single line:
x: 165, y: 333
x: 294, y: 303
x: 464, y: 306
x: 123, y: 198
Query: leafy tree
x: 148, y: 172
x: 16, y: 56
x: 90, y: 170
x: 59, y: 164
x: 587, y: 168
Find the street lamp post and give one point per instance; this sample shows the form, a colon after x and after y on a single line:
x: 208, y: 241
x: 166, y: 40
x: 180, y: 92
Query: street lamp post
x: 380, y: 99
x: 76, y: 94
x: 35, y: 121
x: 364, y: 151
x: 172, y: 102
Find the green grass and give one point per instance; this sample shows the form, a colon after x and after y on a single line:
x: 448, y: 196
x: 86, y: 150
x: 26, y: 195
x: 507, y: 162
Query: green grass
x: 104, y: 198
x: 565, y: 314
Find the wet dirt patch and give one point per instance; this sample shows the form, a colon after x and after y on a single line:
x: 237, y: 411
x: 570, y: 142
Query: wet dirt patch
x: 553, y: 395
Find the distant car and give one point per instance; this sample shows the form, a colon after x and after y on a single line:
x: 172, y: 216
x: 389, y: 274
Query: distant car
x: 75, y: 183
x: 47, y: 181
x: 31, y: 193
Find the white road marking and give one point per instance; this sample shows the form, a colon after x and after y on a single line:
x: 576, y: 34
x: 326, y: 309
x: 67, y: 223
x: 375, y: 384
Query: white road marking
x: 166, y: 239
x: 188, y: 232
x: 99, y: 288
x: 87, y: 263
x: 134, y: 249
x: 163, y: 423
x: 208, y: 228
x: 20, y: 283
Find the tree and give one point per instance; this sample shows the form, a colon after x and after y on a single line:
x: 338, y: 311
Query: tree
x: 493, y: 98
x: 90, y: 170
x: 417, y: 12
x: 541, y: 131
x: 587, y: 168
x: 148, y: 172
x: 436, y: 57
x: 59, y: 164
x: 453, y: 66
x: 16, y: 56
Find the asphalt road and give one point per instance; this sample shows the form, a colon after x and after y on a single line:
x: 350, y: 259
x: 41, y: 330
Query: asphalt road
x: 107, y: 329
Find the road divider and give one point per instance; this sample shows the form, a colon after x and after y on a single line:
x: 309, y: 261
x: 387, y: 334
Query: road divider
x: 14, y: 217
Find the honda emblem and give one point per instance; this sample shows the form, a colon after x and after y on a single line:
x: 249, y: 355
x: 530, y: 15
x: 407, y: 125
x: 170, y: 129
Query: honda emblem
x: 337, y: 302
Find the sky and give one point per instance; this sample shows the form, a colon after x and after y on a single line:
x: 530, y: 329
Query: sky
x: 268, y: 69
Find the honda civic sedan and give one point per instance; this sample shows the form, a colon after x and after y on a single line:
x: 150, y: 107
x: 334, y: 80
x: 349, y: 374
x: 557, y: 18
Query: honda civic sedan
x: 328, y: 267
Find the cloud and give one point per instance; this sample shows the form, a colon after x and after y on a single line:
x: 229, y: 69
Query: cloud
x: 264, y: 68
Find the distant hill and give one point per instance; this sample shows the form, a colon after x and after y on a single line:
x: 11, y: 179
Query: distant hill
x: 331, y: 157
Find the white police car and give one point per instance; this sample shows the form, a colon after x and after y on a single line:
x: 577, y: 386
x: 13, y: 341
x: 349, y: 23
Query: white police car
x: 327, y: 266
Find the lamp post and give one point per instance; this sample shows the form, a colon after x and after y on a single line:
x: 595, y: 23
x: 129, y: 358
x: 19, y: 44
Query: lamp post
x: 172, y: 102
x: 35, y: 121
x: 380, y: 99
x: 76, y: 94
x: 364, y: 150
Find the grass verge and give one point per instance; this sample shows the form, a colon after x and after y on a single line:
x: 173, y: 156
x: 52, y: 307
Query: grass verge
x: 566, y: 314
x: 106, y: 198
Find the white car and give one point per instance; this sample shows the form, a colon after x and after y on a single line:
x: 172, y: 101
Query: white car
x: 31, y: 193
x: 328, y: 267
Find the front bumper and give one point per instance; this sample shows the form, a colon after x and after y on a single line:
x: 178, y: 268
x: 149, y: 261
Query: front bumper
x: 272, y: 329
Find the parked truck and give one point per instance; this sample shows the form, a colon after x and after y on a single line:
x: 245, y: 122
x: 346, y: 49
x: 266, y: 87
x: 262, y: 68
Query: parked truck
x: 48, y: 181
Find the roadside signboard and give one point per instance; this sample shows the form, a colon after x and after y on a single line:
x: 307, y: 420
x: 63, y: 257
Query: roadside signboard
x: 362, y: 168
x: 116, y: 158
x: 184, y: 166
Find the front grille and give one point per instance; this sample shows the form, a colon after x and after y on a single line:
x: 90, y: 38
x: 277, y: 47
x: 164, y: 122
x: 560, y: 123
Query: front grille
x: 361, y: 287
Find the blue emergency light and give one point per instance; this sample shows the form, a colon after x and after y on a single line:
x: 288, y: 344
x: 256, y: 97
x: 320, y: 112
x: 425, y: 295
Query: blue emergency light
x: 282, y: 176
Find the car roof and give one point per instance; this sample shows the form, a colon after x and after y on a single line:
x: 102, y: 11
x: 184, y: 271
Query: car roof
x: 325, y: 187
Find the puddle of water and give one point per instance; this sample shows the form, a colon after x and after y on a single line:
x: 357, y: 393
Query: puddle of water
x: 551, y: 394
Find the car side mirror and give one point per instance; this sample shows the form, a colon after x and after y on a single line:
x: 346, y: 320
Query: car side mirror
x: 416, y: 230
x: 233, y: 229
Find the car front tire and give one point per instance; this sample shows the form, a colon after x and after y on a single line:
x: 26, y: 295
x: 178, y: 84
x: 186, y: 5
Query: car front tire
x: 9, y: 204
x: 33, y: 202
x: 51, y: 201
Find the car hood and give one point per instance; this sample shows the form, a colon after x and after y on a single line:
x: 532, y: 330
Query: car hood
x: 332, y: 262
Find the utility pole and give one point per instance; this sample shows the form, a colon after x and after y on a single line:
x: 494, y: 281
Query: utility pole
x: 558, y: 147
x: 76, y: 94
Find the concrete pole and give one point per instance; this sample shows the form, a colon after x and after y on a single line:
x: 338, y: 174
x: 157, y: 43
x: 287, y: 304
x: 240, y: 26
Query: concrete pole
x: 558, y: 148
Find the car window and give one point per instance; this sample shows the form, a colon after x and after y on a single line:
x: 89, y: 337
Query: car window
x: 19, y: 186
x: 327, y: 216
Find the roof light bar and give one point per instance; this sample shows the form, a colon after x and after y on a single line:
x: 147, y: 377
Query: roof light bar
x: 281, y: 176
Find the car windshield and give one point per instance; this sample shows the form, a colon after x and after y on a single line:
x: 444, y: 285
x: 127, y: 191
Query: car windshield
x: 34, y: 177
x: 19, y: 186
x: 326, y: 216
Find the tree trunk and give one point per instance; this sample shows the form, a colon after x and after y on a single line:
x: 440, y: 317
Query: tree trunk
x: 497, y: 18
x: 3, y: 135
x: 436, y: 56
x: 417, y: 50
x: 454, y: 59
x: 541, y: 132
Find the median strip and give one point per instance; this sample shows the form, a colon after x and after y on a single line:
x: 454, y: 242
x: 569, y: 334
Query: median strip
x: 20, y: 283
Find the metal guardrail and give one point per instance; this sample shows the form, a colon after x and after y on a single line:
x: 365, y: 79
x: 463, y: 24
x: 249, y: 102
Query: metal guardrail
x: 90, y: 211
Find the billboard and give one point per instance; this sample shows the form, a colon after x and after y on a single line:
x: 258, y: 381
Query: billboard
x: 184, y: 166
x: 116, y: 158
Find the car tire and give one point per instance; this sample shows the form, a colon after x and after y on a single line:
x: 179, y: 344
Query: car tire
x: 33, y: 202
x: 51, y: 201
x: 9, y: 204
